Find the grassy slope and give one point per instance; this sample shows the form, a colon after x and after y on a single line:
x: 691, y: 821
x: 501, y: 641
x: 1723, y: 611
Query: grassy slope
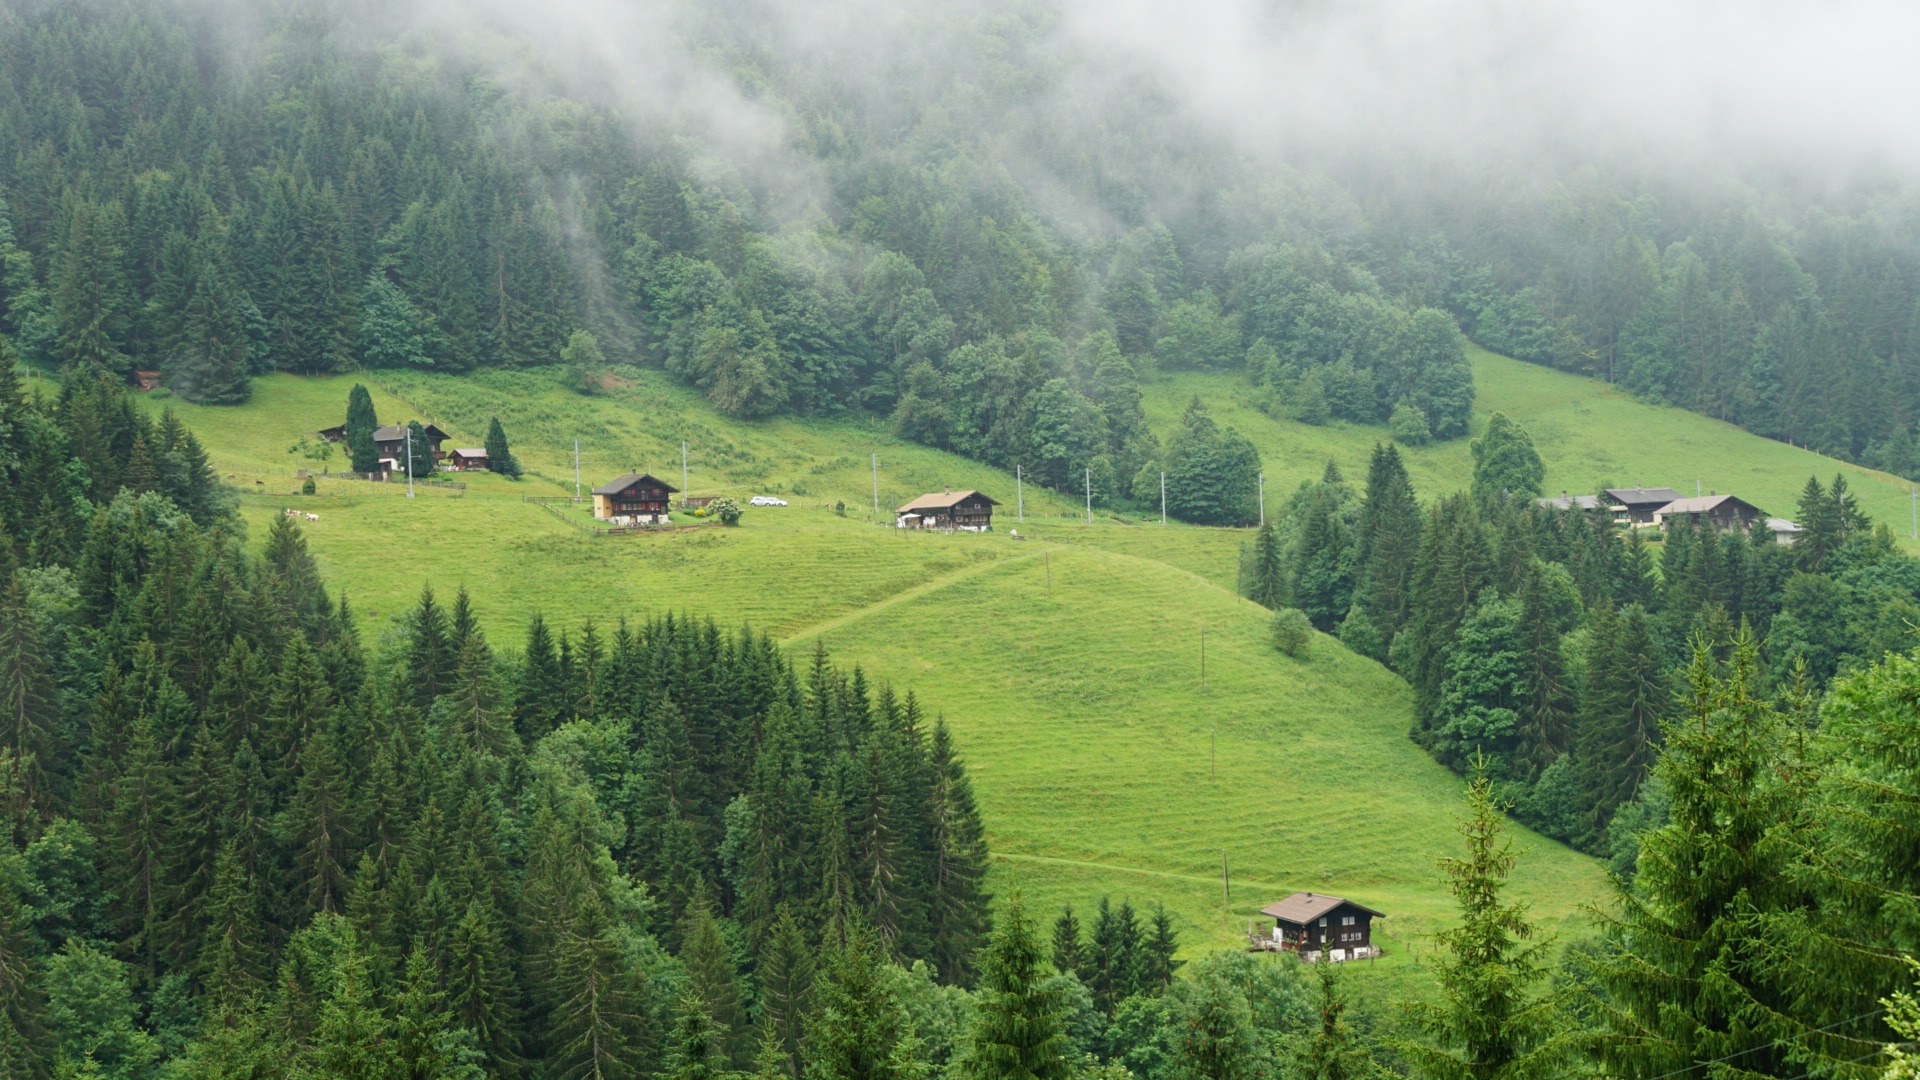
x: 1079, y: 710
x: 1587, y: 432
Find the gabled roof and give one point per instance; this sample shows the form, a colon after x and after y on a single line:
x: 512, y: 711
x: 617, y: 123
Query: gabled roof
x: 398, y: 432
x: 943, y: 500
x: 1584, y: 502
x: 615, y: 487
x: 1304, y: 907
x: 1640, y: 496
x: 471, y: 451
x: 1704, y: 504
x: 1782, y: 525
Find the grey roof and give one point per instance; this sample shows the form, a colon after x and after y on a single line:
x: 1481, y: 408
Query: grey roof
x: 1584, y: 502
x: 1702, y: 504
x: 471, y: 451
x: 1641, y: 496
x: 398, y: 432
x: 1304, y: 907
x: 1782, y: 525
x: 615, y: 487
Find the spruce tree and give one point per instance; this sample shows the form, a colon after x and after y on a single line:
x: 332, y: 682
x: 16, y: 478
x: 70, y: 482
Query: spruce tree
x: 1157, y: 965
x: 1624, y: 696
x: 1018, y: 1032
x: 27, y: 704
x: 856, y: 1023
x: 361, y: 424
x: 714, y: 979
x: 1321, y: 571
x: 956, y: 895
x: 1490, y: 1023
x: 500, y: 457
x: 1069, y: 952
x: 785, y: 977
x: 1333, y: 1050
x: 697, y: 1049
x: 1266, y: 578
x: 595, y: 1013
x: 1680, y: 992
x: 1385, y: 547
x: 1546, y: 720
x: 1505, y: 464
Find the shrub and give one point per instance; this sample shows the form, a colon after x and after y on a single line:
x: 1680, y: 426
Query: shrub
x: 1292, y: 632
x: 840, y: 508
x: 726, y: 510
x: 1409, y: 425
x: 309, y: 487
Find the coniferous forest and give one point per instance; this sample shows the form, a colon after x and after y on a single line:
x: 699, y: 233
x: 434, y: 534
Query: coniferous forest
x: 972, y: 258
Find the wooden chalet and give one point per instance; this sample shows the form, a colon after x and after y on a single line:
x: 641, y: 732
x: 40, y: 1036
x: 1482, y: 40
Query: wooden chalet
x: 390, y: 441
x: 467, y: 459
x: 965, y: 511
x: 634, y: 499
x: 147, y: 380
x: 1635, y: 506
x: 1316, y: 925
x: 1723, y: 512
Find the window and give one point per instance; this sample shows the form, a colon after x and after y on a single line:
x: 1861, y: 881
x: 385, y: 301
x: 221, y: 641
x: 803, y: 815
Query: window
x: 1323, y: 922
x: 1346, y: 920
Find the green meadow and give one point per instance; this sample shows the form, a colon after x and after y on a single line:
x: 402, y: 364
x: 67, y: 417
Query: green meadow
x: 1068, y: 662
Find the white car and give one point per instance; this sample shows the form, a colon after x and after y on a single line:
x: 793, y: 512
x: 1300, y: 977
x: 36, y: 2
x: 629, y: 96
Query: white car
x: 766, y: 500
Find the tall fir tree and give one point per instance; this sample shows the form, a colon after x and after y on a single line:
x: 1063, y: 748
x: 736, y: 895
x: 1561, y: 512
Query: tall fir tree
x: 1019, y: 1031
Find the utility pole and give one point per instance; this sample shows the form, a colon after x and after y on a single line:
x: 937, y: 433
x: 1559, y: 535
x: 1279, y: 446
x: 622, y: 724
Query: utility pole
x: 1213, y: 752
x: 1263, y: 500
x: 576, y: 470
x: 1020, y: 494
x: 1203, y: 658
x: 1226, y: 884
x: 1163, y: 498
x: 683, y: 471
x: 876, y: 485
x: 1089, y: 496
x: 1046, y: 558
x: 409, y: 461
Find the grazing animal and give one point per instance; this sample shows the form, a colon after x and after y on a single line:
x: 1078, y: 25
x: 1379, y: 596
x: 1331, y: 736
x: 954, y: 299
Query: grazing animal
x: 313, y: 517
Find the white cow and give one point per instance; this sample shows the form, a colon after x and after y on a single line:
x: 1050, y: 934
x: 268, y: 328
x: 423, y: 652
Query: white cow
x: 313, y: 517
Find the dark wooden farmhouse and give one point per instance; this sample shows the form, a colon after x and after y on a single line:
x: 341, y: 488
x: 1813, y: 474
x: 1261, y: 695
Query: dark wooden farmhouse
x: 467, y: 459
x: 1316, y: 925
x: 633, y: 499
x: 1635, y: 506
x: 390, y: 440
x: 1723, y: 512
x: 966, y: 511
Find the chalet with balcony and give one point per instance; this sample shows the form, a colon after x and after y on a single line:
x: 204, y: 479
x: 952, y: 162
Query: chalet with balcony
x: 634, y: 499
x: 1316, y: 925
x: 1634, y: 506
x: 962, y: 511
x: 467, y: 459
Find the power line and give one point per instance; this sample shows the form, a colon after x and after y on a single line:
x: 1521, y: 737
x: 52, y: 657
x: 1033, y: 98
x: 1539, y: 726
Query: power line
x: 1771, y: 1045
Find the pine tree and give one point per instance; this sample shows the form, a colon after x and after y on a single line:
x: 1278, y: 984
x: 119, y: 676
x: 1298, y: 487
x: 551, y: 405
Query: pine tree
x: 785, y: 978
x: 1266, y: 581
x: 1069, y: 952
x: 698, y: 1050
x: 1489, y: 1024
x: 353, y: 1041
x: 480, y: 992
x: 1546, y: 722
x: 232, y: 964
x: 1683, y: 998
x: 596, y: 1012
x: 361, y: 424
x: 1505, y: 465
x: 1018, y: 1032
x: 714, y: 980
x: 500, y: 457
x: 1624, y: 697
x: 1116, y: 955
x: 856, y: 1023
x: 430, y: 659
x: 1157, y: 965
x: 27, y: 707
x: 142, y: 796
x: 956, y: 897
x: 1321, y: 571
x: 23, y: 1036
x: 320, y: 817
x: 1385, y: 548
x: 1334, y: 1051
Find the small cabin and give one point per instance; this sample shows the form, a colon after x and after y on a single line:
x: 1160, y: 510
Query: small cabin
x: 1723, y: 512
x: 1784, y: 531
x: 1315, y: 924
x: 467, y: 459
x: 147, y: 380
x: 634, y: 499
x: 962, y: 511
x: 1634, y: 507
